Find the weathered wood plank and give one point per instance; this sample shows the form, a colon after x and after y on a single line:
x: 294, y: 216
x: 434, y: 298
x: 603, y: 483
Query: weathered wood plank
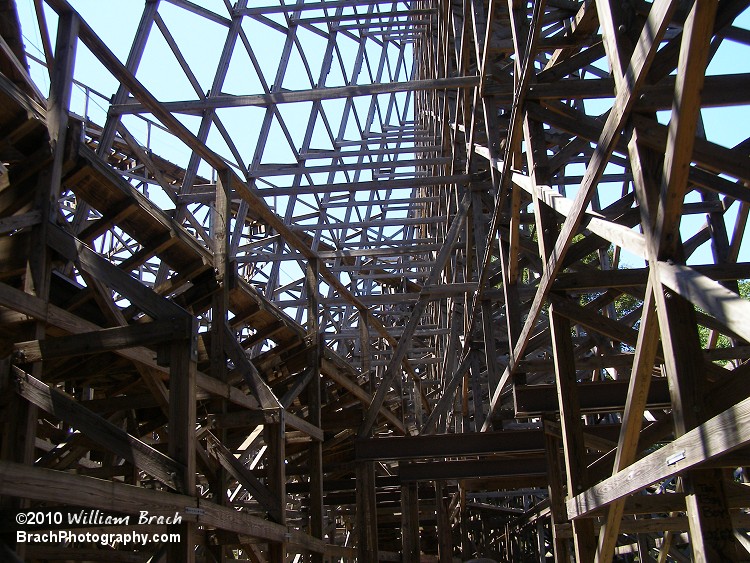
x: 313, y: 95
x: 103, y: 340
x: 42, y: 484
x: 729, y: 308
x: 572, y: 430
x: 75, y: 251
x: 250, y: 373
x: 100, y: 430
x: 246, y: 478
x: 719, y: 435
x: 181, y: 427
x: 637, y: 398
x: 594, y: 396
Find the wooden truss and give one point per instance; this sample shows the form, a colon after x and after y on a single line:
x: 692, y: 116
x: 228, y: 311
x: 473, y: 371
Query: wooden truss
x: 376, y: 280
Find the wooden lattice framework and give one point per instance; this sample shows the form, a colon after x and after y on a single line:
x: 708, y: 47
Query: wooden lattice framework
x: 382, y: 280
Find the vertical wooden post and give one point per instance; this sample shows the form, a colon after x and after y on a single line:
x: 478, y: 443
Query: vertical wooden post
x: 276, y: 478
x: 541, y: 545
x: 38, y: 270
x: 367, y: 521
x: 464, y: 524
x: 509, y: 545
x: 409, y: 523
x: 367, y: 512
x: 488, y: 329
x: 314, y: 407
x: 22, y: 429
x: 220, y: 217
x: 476, y: 392
x: 364, y: 342
x: 58, y: 104
x: 445, y: 533
x: 183, y: 356
x: 510, y: 294
x: 711, y: 529
x: 644, y: 554
x: 572, y: 431
x: 556, y: 496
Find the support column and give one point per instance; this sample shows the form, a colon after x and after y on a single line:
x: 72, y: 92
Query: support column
x: 314, y: 407
x: 367, y: 521
x: 556, y: 494
x: 220, y: 218
x: 444, y: 530
x: 572, y: 431
x: 464, y: 524
x: 541, y: 546
x: 409, y: 523
x: 711, y: 529
x: 20, y: 436
x: 644, y: 549
x: 367, y: 515
x: 183, y: 356
x: 276, y: 478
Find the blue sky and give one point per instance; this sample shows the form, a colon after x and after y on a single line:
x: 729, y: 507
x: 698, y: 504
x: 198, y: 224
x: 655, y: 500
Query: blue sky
x: 161, y: 73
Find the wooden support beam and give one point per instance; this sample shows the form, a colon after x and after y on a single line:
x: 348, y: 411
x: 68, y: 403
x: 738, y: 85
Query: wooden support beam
x: 247, y: 479
x: 639, y: 386
x: 675, y: 522
x: 103, y: 340
x: 42, y: 484
x: 468, y: 469
x: 342, y: 377
x: 654, y: 28
x: 182, y: 417
x: 331, y: 5
x: 555, y: 488
x: 100, y: 431
x: 314, y: 405
x: 619, y: 235
x: 249, y: 372
x: 717, y: 436
x: 572, y: 431
x: 219, y: 225
x: 45, y: 180
x: 313, y: 95
x: 409, y: 523
x: 404, y: 343
x: 17, y: 222
x: 710, y: 527
x: 379, y: 167
x: 74, y: 250
x: 597, y: 279
x: 594, y: 396
x: 725, y: 305
x: 275, y: 461
x: 367, y: 513
x: 444, y: 528
x: 58, y: 103
x: 448, y: 445
x: 449, y: 394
